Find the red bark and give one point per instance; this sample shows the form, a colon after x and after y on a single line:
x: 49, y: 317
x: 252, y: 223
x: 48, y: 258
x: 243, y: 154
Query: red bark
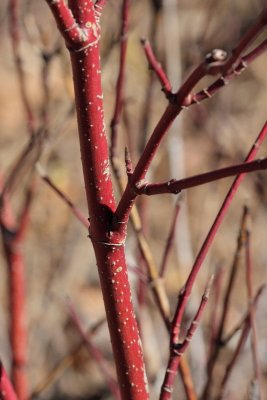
x: 108, y: 244
x: 6, y: 388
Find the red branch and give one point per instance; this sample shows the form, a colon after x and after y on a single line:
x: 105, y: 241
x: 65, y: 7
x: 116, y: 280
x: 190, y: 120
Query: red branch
x: 175, y: 186
x: 170, y: 239
x: 121, y: 78
x: 177, y: 349
x: 155, y: 65
x: 13, y: 237
x: 14, y: 29
x: 252, y: 313
x: 215, y: 63
x: 95, y: 352
x: 6, y: 389
x: 108, y: 244
x: 74, y: 209
x: 226, y: 303
x: 186, y: 291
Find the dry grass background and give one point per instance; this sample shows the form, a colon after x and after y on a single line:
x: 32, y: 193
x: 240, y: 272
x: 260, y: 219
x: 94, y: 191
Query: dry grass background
x: 60, y: 261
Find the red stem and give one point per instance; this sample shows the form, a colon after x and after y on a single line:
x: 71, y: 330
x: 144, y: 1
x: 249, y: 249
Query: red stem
x: 215, y: 304
x: 170, y: 239
x: 95, y: 353
x: 74, y: 209
x: 177, y: 349
x: 226, y: 303
x: 108, y: 244
x: 12, y: 243
x: 14, y: 29
x: 225, y: 78
x: 252, y: 313
x: 156, y: 67
x: 121, y: 78
x: 214, y: 63
x: 186, y: 291
x: 175, y: 186
x: 6, y: 389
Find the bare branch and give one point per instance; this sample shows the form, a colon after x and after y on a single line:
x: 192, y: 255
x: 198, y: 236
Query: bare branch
x: 175, y: 186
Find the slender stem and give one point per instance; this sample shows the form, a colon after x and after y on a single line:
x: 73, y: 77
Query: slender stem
x: 252, y: 314
x: 94, y: 352
x: 121, y: 78
x: 175, y: 186
x: 63, y: 364
x: 170, y: 239
x: 155, y: 65
x: 239, y: 325
x: 177, y: 349
x: 74, y: 209
x: 186, y: 291
x: 13, y: 238
x: 224, y: 79
x: 226, y: 303
x: 6, y: 389
x: 14, y: 29
x: 214, y: 63
x: 215, y: 304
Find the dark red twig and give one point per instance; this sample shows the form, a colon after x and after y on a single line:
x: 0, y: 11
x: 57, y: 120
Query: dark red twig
x: 74, y: 209
x: 6, y: 389
x: 171, y: 237
x: 14, y: 29
x: 155, y: 65
x: 252, y: 314
x: 121, y: 78
x: 215, y: 63
x: 64, y: 363
x: 186, y: 291
x: 13, y: 237
x: 226, y: 303
x: 239, y: 325
x: 215, y: 304
x: 240, y: 346
x: 225, y: 79
x: 175, y: 186
x: 94, y: 352
x: 177, y: 349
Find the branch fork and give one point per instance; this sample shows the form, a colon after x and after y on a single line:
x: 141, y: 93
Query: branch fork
x: 78, y: 36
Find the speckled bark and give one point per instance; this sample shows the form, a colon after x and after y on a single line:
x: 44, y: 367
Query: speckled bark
x: 82, y: 36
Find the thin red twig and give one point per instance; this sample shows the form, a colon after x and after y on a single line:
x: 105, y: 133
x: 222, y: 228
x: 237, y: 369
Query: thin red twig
x: 177, y: 349
x: 226, y: 303
x: 186, y: 291
x: 6, y: 389
x: 213, y: 64
x: 94, y: 352
x: 121, y: 78
x: 257, y: 378
x: 240, y: 345
x: 74, y: 209
x: 215, y: 304
x: 14, y: 29
x: 155, y: 65
x: 171, y: 237
x: 175, y: 186
x: 239, y: 325
x: 13, y: 237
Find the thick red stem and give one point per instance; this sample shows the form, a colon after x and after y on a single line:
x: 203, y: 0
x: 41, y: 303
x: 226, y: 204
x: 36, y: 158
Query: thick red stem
x: 108, y: 245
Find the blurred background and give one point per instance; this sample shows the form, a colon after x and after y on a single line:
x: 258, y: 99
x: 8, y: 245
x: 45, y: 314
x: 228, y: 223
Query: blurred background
x: 59, y: 259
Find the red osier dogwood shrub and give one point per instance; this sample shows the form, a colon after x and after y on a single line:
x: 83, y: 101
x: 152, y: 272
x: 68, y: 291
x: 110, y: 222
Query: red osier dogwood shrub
x: 78, y: 22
